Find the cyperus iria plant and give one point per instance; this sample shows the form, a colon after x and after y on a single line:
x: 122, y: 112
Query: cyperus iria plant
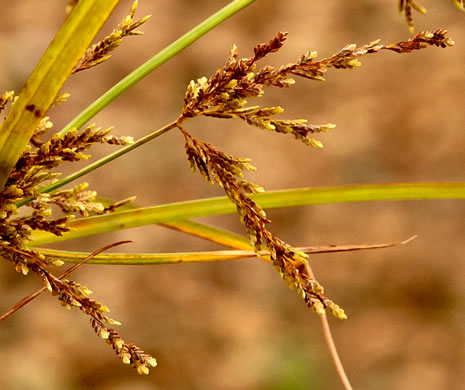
x: 29, y: 157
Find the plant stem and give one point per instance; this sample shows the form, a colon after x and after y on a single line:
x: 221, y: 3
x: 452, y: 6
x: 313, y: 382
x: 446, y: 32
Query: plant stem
x: 157, y: 60
x: 332, y: 346
x: 83, y: 227
x: 102, y: 161
x: 334, y: 354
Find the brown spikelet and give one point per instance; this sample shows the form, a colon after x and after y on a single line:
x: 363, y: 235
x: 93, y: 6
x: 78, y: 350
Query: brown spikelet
x: 406, y: 7
x: 421, y: 40
x: 225, y: 94
x: 72, y: 294
x: 100, y: 51
x: 291, y: 264
x: 33, y: 170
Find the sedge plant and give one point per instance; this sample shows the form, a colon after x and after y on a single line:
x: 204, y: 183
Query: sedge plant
x: 31, y: 151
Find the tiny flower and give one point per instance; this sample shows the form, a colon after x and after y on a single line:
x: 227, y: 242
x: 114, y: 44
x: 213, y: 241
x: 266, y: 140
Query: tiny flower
x: 142, y: 369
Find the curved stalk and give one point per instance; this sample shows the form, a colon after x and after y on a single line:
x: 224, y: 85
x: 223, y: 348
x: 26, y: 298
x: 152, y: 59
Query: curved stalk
x: 332, y: 346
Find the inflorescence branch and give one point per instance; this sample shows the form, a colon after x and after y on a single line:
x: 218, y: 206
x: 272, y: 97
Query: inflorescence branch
x: 99, y: 52
x: 225, y: 94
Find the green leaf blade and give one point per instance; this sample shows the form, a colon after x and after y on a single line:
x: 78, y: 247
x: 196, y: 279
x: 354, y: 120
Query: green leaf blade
x: 148, y: 258
x: 55, y: 66
x: 274, y: 199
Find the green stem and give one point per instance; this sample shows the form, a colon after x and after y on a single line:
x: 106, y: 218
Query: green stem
x: 88, y: 226
x: 159, y: 59
x: 101, y: 162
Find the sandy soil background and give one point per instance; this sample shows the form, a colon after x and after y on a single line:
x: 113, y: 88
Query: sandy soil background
x: 235, y: 325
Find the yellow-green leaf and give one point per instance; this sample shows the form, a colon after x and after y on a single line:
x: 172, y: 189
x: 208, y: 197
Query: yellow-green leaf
x: 288, y: 198
x: 196, y: 257
x: 55, y: 66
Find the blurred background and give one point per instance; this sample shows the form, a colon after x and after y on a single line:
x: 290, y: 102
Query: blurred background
x: 235, y: 325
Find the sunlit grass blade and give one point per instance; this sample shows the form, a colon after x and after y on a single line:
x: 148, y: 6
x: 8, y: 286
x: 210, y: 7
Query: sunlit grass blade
x: 49, y: 75
x: 233, y: 240
x: 197, y: 229
x: 149, y: 258
x: 236, y: 241
x: 210, y: 233
x: 274, y: 199
x: 196, y: 257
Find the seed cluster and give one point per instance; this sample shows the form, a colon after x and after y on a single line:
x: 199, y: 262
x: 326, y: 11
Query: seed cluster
x: 224, y: 96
